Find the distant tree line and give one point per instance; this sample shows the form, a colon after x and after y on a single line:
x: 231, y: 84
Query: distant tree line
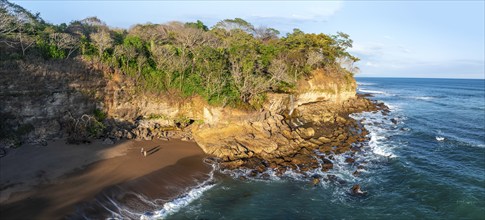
x: 231, y: 63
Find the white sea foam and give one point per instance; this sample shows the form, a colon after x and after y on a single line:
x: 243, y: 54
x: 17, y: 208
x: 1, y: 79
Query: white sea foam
x: 379, y: 130
x: 392, y: 107
x: 425, y: 98
x: 371, y: 91
x: 175, y: 205
x: 439, y: 138
x: 365, y: 84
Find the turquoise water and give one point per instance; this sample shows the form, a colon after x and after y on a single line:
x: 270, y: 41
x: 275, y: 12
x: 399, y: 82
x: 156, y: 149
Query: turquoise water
x: 426, y: 159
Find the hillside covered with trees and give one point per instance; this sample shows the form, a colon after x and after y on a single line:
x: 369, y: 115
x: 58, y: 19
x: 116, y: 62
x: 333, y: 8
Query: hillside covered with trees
x: 232, y: 63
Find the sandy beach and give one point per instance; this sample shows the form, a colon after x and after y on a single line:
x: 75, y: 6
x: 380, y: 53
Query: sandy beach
x: 59, y: 180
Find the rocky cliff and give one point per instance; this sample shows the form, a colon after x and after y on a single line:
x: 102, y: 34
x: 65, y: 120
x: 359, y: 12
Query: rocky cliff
x: 292, y: 130
x: 288, y: 132
x: 37, y: 98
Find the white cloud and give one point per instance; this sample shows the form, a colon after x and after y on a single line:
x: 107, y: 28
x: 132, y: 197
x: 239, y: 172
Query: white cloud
x: 295, y: 10
x: 370, y: 49
x: 368, y: 63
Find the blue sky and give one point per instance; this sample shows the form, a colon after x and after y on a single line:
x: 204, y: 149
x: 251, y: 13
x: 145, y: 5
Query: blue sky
x: 443, y: 39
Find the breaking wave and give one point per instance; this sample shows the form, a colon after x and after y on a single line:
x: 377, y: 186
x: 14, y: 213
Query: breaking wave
x: 175, y: 205
x: 365, y: 84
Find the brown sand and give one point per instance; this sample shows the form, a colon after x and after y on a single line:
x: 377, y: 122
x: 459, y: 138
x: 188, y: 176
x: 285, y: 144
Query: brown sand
x: 168, y: 170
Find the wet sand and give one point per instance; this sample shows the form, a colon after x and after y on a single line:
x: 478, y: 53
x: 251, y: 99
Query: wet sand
x: 121, y: 174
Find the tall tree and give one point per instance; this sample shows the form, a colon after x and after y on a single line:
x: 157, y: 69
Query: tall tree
x: 65, y: 41
x: 102, y: 40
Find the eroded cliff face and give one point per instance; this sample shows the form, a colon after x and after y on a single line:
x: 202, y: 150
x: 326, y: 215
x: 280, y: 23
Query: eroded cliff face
x: 37, y: 97
x: 291, y: 128
x: 285, y: 134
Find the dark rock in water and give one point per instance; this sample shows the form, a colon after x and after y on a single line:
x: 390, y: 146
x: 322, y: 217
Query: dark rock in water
x: 316, y: 176
x: 148, y: 213
x: 253, y: 173
x: 331, y: 177
x: 280, y: 171
x: 265, y: 176
x: 327, y: 165
x: 357, y: 191
x: 394, y: 120
x: 361, y: 167
x: 355, y: 149
x: 349, y: 160
x: 316, y: 181
x: 335, y: 179
x: 356, y: 173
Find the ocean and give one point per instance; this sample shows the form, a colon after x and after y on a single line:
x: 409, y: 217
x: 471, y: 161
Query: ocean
x: 425, y: 159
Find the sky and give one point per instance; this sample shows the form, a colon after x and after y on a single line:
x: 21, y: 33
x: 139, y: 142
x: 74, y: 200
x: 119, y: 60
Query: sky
x: 426, y: 39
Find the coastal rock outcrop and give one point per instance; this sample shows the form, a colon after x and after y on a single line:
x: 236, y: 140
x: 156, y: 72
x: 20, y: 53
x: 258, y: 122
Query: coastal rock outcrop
x: 292, y: 131
x: 291, y: 142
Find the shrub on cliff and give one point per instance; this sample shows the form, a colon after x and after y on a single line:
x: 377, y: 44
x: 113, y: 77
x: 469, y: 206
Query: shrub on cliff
x: 83, y: 129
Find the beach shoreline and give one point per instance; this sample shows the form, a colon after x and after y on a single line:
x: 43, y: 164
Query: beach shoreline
x: 60, y: 179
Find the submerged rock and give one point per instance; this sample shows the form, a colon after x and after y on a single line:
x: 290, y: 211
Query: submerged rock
x: 349, y: 160
x: 356, y: 173
x: 394, y: 120
x: 327, y: 165
x: 357, y: 191
x: 316, y: 181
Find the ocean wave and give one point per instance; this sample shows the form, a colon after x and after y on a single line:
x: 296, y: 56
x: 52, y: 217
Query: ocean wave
x: 379, y: 128
x: 371, y: 91
x: 365, y: 84
x: 175, y: 205
x: 480, y: 145
x: 392, y: 107
x: 423, y: 98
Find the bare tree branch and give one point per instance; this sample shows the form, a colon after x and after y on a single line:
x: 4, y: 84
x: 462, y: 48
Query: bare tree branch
x: 65, y: 41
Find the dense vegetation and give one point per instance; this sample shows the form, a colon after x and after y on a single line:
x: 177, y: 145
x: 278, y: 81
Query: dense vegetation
x: 231, y: 63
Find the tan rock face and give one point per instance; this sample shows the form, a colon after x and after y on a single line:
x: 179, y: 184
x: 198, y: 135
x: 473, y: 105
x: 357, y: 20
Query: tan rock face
x: 274, y: 140
x: 306, y: 133
x: 290, y: 128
